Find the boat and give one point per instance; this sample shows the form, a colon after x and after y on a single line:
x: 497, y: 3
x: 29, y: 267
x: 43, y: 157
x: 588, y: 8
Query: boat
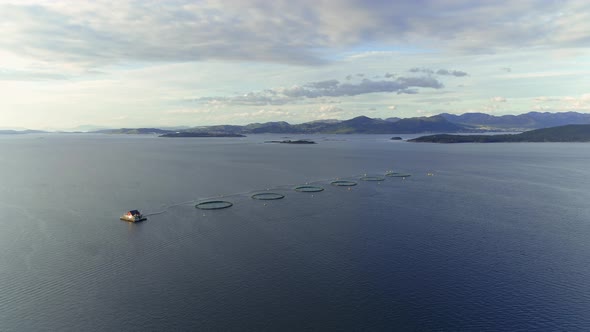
x: 133, y: 216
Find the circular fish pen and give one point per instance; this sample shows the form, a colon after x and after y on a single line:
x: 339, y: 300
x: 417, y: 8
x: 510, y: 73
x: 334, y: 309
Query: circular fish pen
x: 372, y: 178
x: 213, y: 205
x: 343, y: 183
x: 267, y: 196
x: 308, y: 189
x: 398, y: 175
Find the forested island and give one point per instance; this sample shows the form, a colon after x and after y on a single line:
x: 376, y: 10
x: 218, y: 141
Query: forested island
x: 568, y: 133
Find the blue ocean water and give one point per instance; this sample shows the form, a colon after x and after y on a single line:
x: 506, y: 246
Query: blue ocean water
x: 495, y: 239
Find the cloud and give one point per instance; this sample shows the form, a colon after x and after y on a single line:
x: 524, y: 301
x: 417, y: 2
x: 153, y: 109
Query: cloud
x: 392, y: 107
x: 439, y: 100
x: 249, y: 99
x: 187, y: 111
x: 442, y: 72
x: 424, y: 113
x: 566, y: 103
x: 421, y: 70
x: 270, y: 113
x: 18, y: 75
x: 498, y: 100
x: 506, y: 69
x: 326, y: 112
x: 337, y: 89
x: 327, y: 88
x: 456, y: 73
x: 329, y: 84
x: 330, y: 109
x: 572, y: 103
x: 101, y: 32
x: 544, y: 99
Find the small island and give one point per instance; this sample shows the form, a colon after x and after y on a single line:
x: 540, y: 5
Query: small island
x: 396, y: 138
x: 567, y: 133
x: 301, y: 141
x: 197, y: 134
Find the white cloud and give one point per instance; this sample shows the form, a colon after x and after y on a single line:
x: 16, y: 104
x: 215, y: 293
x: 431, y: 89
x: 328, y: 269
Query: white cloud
x: 421, y: 112
x: 271, y: 112
x: 578, y: 103
x: 185, y: 111
x: 442, y: 72
x: 66, y: 62
x: 327, y: 88
x: 326, y: 112
x: 563, y: 104
x: 330, y: 109
x: 545, y: 99
x: 91, y: 33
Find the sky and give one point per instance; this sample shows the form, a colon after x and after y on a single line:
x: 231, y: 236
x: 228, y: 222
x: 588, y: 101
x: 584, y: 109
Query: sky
x: 67, y: 64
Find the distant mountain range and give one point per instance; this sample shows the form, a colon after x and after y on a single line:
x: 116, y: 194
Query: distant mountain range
x: 442, y: 123
x: 17, y: 132
x: 568, y: 133
x: 358, y: 125
x: 134, y: 131
x: 522, y: 122
x: 447, y: 123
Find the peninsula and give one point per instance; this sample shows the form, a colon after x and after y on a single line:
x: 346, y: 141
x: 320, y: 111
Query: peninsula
x: 568, y: 133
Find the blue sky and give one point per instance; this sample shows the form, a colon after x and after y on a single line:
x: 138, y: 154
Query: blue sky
x: 165, y: 63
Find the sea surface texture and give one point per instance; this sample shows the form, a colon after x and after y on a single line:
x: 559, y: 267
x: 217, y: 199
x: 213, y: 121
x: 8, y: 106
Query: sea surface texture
x: 481, y: 237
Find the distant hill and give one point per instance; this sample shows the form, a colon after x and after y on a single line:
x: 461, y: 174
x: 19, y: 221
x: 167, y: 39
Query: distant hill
x: 568, y: 133
x: 431, y: 124
x: 228, y: 129
x: 19, y: 132
x: 358, y: 125
x: 394, y: 119
x: 443, y: 123
x: 527, y: 121
x: 366, y: 125
x: 189, y: 134
x: 86, y: 128
x: 134, y: 131
x: 280, y: 127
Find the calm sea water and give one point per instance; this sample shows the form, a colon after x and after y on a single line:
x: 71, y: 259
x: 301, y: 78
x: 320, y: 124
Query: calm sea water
x: 497, y: 239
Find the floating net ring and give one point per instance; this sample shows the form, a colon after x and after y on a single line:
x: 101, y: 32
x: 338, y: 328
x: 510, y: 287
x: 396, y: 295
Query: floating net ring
x: 372, y: 178
x: 213, y: 205
x: 398, y: 175
x: 309, y: 189
x: 268, y: 196
x: 343, y: 183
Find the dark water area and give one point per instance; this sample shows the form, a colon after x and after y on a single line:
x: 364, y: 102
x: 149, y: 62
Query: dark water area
x: 485, y: 237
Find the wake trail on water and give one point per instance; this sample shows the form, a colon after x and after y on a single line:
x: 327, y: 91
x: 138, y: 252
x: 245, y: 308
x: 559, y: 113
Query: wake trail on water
x: 166, y: 208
